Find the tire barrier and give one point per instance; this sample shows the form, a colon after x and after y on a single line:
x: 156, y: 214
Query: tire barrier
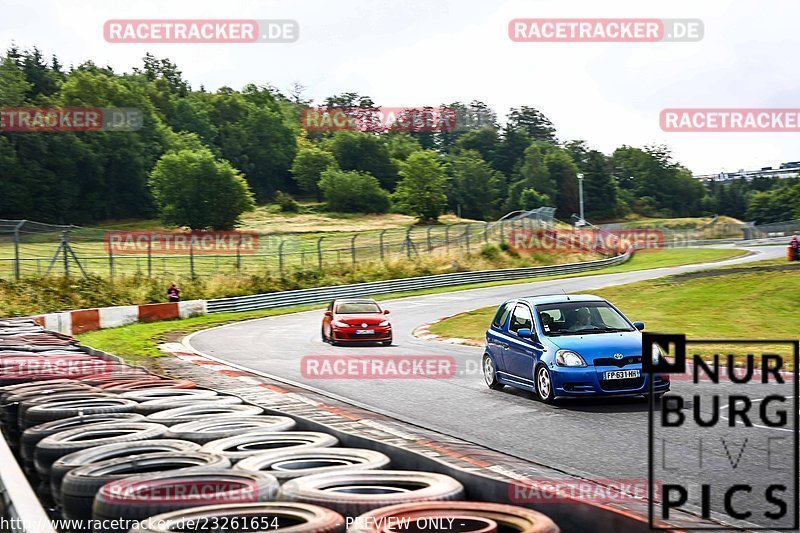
x: 148, y: 383
x: 205, y: 431
x: 80, y: 485
x: 153, y: 406
x: 53, y: 401
x: 253, y: 443
x: 164, y: 393
x: 278, y: 516
x: 464, y: 517
x: 354, y: 493
x: 32, y: 435
x: 60, y: 444
x: 62, y: 466
x: 140, y: 497
x: 45, y: 412
x: 109, y: 441
x: 9, y: 405
x: 170, y: 417
x: 293, y: 463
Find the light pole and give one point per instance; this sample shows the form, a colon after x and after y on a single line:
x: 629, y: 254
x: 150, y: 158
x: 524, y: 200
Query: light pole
x: 582, y: 221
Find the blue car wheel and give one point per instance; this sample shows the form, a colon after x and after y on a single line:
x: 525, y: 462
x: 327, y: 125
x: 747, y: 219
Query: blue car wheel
x: 544, y: 385
x: 490, y: 374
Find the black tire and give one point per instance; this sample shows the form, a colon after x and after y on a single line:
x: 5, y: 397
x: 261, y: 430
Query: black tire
x: 256, y: 442
x: 205, y: 431
x: 81, y: 484
x: 301, y: 518
x: 340, y: 491
x: 154, y: 406
x: 490, y: 373
x: 387, y: 343
x: 291, y: 463
x: 170, y: 417
x: 545, y: 394
x: 324, y: 338
x: 132, y: 498
x: 46, y: 412
x: 32, y: 435
x: 26, y: 405
x: 11, y: 403
x: 60, y: 444
x: 89, y: 456
x: 505, y: 517
x: 163, y: 393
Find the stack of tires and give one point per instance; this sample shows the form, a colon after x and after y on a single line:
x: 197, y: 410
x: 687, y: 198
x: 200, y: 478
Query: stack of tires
x: 115, y: 449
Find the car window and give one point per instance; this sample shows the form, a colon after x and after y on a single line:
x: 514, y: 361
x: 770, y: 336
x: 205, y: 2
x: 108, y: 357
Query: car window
x: 501, y: 317
x: 521, y: 319
x: 354, y: 308
x: 580, y: 318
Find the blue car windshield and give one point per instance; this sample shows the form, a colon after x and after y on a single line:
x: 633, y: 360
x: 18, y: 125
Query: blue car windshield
x: 581, y: 318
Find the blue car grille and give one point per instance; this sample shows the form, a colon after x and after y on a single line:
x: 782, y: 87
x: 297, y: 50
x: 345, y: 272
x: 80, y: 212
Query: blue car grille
x: 610, y: 361
x: 621, y: 384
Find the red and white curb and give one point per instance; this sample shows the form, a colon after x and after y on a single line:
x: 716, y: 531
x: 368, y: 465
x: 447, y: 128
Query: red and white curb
x: 423, y: 332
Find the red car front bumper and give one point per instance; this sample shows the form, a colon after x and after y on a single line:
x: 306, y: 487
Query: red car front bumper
x: 380, y: 333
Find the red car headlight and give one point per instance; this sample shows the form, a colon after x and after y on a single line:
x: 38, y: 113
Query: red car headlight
x: 339, y: 324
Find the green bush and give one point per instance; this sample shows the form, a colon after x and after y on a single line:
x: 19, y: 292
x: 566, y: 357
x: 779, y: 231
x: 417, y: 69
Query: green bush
x: 286, y: 202
x: 490, y: 251
x: 353, y: 192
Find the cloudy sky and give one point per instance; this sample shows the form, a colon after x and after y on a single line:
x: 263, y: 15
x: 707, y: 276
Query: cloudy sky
x: 426, y: 52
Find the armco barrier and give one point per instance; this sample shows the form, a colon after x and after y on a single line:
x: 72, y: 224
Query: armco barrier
x: 323, y: 294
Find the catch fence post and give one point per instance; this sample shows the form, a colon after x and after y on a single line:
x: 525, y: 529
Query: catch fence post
x: 353, y: 248
x: 16, y: 250
x: 319, y: 252
x: 280, y: 256
x: 381, y: 240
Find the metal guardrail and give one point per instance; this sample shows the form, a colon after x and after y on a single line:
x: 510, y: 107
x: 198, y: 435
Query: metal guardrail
x: 275, y: 300
x: 20, y: 510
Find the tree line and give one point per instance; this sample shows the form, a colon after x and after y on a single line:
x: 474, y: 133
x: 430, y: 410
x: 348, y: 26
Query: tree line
x: 202, y: 158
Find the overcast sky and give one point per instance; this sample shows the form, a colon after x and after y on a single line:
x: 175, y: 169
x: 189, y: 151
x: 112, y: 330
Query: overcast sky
x: 427, y: 52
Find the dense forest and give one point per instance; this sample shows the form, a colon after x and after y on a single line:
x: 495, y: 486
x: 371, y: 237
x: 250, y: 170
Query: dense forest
x: 199, y: 151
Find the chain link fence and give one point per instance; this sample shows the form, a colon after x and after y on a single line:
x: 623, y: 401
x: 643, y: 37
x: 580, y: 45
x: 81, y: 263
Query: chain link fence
x: 29, y: 249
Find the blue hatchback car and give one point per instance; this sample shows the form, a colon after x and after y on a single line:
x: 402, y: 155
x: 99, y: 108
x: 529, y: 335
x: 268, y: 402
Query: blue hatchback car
x: 566, y: 345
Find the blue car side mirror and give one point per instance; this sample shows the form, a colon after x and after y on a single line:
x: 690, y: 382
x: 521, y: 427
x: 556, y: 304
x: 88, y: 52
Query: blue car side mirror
x: 639, y: 325
x: 525, y: 333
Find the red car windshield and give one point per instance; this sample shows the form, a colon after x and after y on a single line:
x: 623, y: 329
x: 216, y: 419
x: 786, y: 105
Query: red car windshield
x: 357, y: 308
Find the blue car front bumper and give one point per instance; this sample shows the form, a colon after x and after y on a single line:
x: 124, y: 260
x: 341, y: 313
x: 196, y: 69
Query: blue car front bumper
x: 590, y: 381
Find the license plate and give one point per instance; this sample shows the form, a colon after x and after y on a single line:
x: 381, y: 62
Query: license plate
x: 622, y: 374
x: 365, y: 331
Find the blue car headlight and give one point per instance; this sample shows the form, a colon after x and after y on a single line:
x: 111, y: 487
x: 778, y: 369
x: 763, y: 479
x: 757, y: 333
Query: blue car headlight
x: 569, y: 358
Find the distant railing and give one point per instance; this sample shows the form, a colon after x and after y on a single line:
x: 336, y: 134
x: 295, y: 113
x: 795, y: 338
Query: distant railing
x: 325, y: 294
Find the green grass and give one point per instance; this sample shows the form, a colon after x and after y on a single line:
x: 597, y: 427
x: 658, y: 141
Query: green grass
x: 138, y: 343
x: 746, y: 302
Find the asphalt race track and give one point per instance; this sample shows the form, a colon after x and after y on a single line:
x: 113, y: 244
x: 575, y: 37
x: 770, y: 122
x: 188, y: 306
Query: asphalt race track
x: 594, y: 439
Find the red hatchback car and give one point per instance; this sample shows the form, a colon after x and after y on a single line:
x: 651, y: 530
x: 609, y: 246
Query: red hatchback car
x: 356, y: 320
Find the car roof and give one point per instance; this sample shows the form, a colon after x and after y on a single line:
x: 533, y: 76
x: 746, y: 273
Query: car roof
x: 560, y: 298
x: 355, y: 301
